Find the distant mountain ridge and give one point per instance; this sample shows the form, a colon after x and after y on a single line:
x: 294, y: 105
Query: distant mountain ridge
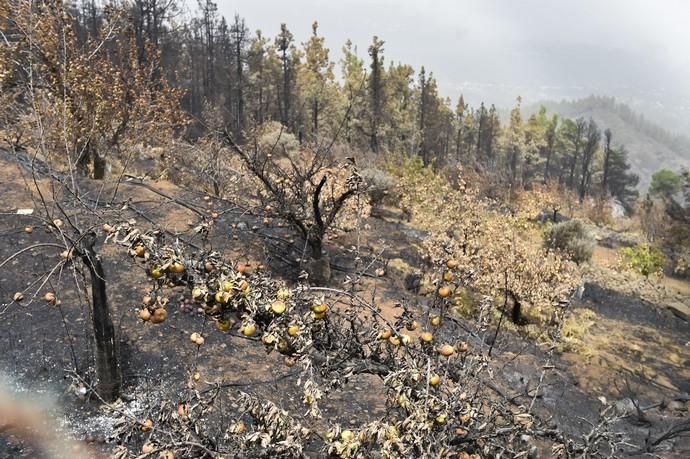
x: 650, y: 146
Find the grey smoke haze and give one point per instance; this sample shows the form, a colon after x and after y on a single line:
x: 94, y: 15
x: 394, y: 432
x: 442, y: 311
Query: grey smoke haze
x: 494, y: 50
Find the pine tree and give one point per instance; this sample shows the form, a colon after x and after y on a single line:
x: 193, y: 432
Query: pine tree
x: 593, y: 136
x: 576, y: 138
x: 354, y: 79
x: 514, y: 142
x: 460, y: 109
x: 492, y: 128
x: 316, y: 81
x: 376, y: 89
x: 620, y: 182
x: 284, y: 46
x: 401, y: 108
x: 550, y: 142
x: 239, y: 40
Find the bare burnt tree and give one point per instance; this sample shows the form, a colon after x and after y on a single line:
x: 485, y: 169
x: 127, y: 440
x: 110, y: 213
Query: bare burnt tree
x: 295, y: 188
x: 66, y: 210
x: 71, y: 223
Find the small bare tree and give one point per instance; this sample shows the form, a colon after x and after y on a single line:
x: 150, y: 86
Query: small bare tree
x: 295, y: 186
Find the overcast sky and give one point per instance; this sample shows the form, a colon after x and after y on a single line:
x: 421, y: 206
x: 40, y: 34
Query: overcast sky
x: 497, y: 49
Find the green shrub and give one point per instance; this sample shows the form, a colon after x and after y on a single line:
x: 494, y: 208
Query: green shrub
x: 644, y: 259
x: 572, y: 238
x: 378, y: 185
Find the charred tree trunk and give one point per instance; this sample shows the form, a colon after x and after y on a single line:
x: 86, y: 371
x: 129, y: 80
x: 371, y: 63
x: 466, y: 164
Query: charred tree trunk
x: 513, y: 166
x: 549, y: 153
x: 107, y: 359
x: 90, y: 157
x: 607, y: 160
x: 516, y: 309
x: 315, y: 118
x: 99, y: 166
x: 517, y: 313
x: 319, y: 265
x: 84, y: 158
x: 315, y: 243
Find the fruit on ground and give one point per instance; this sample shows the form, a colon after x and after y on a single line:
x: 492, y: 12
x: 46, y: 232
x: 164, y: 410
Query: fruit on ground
x: 446, y: 350
x: 146, y: 425
x: 223, y: 324
x: 452, y: 264
x: 249, y: 329
x: 159, y: 315
x: 444, y: 292
x: 435, y: 321
x: 412, y: 325
x: 156, y: 273
x: 220, y: 297
x: 427, y: 337
x: 319, y: 308
x: 145, y: 314
x: 278, y: 307
x: 434, y: 380
x: 293, y: 330
x: 177, y: 267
